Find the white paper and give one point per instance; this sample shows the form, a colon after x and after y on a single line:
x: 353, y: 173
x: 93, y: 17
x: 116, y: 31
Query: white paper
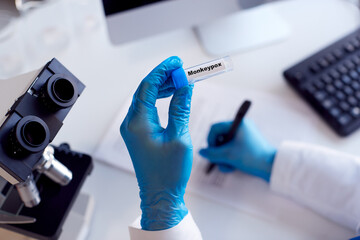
x: 278, y: 119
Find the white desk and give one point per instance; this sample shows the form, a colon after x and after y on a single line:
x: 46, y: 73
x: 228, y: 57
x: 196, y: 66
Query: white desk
x: 112, y: 72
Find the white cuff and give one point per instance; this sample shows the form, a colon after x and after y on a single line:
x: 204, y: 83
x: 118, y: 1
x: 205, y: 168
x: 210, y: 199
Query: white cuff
x: 186, y: 229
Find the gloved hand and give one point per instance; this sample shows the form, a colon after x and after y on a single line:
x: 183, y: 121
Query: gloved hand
x: 162, y: 158
x: 249, y: 151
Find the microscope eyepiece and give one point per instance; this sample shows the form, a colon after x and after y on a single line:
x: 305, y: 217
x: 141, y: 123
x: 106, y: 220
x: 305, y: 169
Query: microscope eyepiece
x: 30, y: 135
x: 33, y: 133
x: 63, y: 90
x: 59, y: 92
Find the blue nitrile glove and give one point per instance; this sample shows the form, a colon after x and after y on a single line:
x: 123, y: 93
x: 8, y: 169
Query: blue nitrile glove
x: 162, y: 158
x: 249, y: 151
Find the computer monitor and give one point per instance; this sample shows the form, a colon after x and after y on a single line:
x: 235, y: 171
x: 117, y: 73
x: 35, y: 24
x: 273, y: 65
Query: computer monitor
x: 136, y: 19
x: 132, y: 20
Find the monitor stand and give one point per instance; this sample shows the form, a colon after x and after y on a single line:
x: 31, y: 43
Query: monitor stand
x: 242, y: 31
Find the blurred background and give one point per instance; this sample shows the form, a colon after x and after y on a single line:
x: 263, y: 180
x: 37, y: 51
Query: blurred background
x: 112, y: 45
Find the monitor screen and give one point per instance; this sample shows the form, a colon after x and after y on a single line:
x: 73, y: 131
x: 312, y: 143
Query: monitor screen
x: 136, y: 19
x: 115, y: 6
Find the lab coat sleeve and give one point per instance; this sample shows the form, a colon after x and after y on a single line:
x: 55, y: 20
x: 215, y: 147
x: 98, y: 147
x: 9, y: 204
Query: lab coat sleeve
x: 186, y: 229
x: 324, y: 180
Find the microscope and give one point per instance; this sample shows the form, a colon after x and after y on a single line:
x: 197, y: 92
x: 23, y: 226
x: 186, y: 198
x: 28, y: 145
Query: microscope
x: 38, y: 182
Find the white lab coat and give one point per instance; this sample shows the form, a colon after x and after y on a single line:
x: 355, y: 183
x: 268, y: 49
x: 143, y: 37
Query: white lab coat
x: 324, y: 180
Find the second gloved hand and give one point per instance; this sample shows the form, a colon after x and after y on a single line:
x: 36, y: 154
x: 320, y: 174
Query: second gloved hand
x: 162, y: 157
x: 249, y: 151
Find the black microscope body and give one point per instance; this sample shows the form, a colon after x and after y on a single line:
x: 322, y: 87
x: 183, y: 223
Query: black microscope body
x: 29, y: 126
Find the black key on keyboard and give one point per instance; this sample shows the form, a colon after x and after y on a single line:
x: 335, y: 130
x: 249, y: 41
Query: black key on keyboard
x: 325, y: 78
x: 327, y: 103
x: 319, y: 85
x: 355, y: 112
x: 346, y: 79
x: 335, y: 112
x: 352, y: 100
x: 330, y: 88
x: 330, y: 58
x: 344, y: 106
x: 320, y: 95
x: 323, y: 63
x: 348, y: 90
x: 340, y: 95
x: 349, y: 47
x: 315, y: 68
x: 338, y: 84
x: 334, y: 73
x: 344, y: 119
x: 338, y: 53
x: 355, y: 43
x: 349, y: 64
x: 358, y: 69
x: 329, y: 81
x: 342, y: 69
x: 355, y: 85
x: 356, y: 60
x: 353, y: 74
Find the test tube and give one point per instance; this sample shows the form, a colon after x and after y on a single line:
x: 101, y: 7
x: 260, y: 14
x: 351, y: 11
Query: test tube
x: 183, y: 77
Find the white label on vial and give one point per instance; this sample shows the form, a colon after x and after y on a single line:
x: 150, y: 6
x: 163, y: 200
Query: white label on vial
x: 206, y: 69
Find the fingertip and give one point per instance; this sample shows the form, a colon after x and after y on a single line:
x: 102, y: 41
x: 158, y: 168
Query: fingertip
x: 203, y: 152
x: 175, y: 61
x: 207, y: 153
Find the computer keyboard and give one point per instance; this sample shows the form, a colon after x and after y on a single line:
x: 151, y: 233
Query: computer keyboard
x: 329, y: 81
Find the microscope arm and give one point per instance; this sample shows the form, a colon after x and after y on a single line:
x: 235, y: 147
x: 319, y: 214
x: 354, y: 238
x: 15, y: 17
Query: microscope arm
x: 13, y: 88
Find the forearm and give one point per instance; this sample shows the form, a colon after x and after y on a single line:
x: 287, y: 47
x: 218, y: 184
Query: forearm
x: 324, y: 180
